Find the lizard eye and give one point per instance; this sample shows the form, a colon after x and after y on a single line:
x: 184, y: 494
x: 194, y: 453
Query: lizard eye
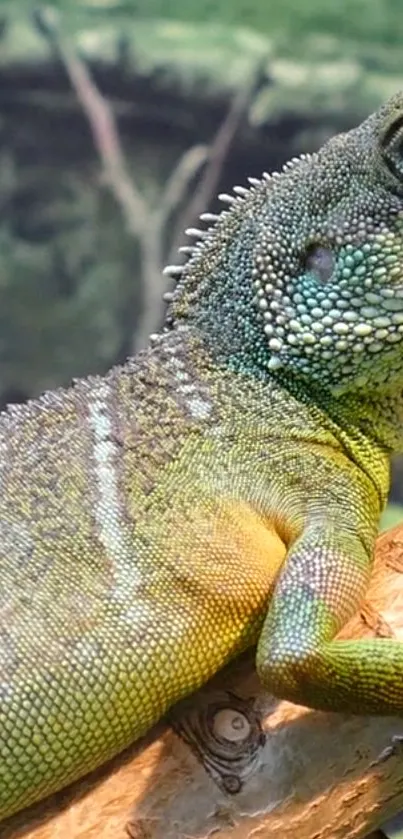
x: 319, y: 261
x: 392, y: 148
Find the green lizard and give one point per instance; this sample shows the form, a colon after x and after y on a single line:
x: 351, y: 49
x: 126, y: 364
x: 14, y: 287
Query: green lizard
x: 221, y: 489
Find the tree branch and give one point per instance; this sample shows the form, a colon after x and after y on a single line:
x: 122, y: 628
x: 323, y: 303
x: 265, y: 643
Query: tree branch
x: 176, y: 187
x: 148, y: 225
x: 217, y: 154
x: 239, y: 764
x: 139, y: 218
x: 102, y: 124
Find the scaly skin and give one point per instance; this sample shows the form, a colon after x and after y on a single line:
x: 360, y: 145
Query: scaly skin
x: 222, y: 489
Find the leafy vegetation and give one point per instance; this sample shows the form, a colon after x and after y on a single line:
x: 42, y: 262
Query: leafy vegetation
x: 376, y: 21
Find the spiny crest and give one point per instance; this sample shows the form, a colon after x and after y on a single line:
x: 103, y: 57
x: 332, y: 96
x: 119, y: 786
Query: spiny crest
x: 241, y: 194
x: 303, y: 271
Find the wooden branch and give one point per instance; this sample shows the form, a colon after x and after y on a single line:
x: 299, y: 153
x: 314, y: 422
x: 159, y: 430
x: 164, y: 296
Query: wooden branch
x: 148, y: 225
x: 239, y: 764
x: 178, y: 183
x: 102, y: 123
x: 217, y: 155
x: 152, y: 242
x: 139, y: 218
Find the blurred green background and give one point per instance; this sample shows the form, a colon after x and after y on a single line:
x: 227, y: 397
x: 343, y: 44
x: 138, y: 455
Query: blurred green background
x: 204, y: 93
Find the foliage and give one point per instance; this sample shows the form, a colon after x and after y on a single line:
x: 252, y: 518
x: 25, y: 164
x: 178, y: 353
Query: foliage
x: 377, y: 21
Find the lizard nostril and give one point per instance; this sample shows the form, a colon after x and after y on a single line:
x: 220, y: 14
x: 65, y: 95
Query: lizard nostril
x: 319, y: 261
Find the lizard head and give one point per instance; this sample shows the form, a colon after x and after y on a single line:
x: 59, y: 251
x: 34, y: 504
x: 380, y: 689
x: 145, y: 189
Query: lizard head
x: 303, y: 274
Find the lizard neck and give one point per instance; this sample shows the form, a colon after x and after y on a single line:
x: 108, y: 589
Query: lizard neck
x: 365, y: 425
x: 216, y: 298
x: 222, y: 310
x: 375, y: 417
x: 360, y: 426
x: 217, y: 301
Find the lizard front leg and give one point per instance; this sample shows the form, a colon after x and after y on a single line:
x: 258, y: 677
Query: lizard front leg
x: 298, y: 657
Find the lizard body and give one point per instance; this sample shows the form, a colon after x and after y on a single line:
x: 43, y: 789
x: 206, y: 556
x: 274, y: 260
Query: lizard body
x: 223, y: 488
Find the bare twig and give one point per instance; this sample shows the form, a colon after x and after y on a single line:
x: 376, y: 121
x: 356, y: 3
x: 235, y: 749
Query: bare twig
x: 177, y: 185
x: 146, y: 224
x: 102, y: 123
x: 138, y: 216
x: 218, y: 153
x: 153, y: 243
